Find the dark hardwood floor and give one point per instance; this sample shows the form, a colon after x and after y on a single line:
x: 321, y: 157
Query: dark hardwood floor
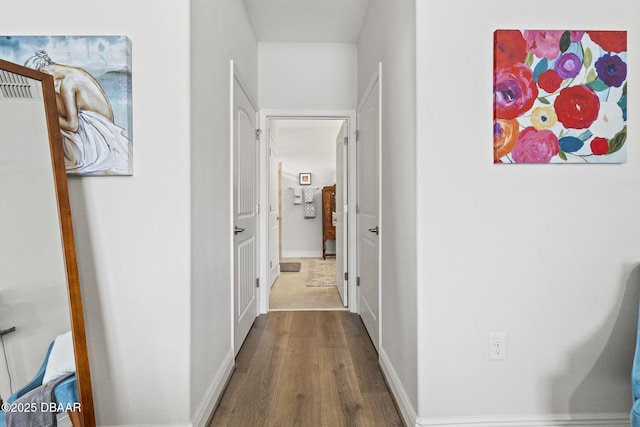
x: 307, y: 368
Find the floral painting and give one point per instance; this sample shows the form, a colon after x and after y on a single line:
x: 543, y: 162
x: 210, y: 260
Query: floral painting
x: 559, y: 96
x: 92, y: 77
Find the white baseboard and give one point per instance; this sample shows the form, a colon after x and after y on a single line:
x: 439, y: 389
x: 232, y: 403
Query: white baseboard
x: 301, y: 254
x: 410, y: 417
x: 205, y: 410
x: 559, y: 420
x: 407, y: 411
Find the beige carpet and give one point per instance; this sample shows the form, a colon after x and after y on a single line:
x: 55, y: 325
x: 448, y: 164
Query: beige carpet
x: 290, y: 291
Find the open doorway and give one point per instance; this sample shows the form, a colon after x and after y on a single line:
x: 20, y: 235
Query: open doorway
x: 303, y: 173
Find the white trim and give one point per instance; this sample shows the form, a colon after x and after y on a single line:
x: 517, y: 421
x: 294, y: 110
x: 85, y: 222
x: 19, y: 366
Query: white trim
x: 232, y: 183
x: 265, y: 115
x: 407, y: 410
x: 560, y: 420
x: 302, y: 254
x: 208, y: 403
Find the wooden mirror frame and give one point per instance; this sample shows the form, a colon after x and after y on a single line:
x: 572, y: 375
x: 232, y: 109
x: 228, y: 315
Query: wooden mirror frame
x: 86, y: 416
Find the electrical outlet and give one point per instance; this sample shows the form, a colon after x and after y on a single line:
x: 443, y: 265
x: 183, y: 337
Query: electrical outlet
x: 497, y: 346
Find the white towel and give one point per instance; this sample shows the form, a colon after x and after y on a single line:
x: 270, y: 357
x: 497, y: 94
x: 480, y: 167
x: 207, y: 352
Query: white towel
x: 297, y: 196
x: 309, y: 210
x: 308, y: 194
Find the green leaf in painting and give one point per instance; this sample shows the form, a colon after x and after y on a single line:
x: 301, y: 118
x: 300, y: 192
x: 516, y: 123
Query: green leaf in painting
x: 617, y: 142
x: 565, y: 41
x: 591, y: 75
x: 529, y: 59
x: 543, y: 100
x: 588, y: 57
x: 624, y: 89
x: 562, y: 155
x: 598, y: 85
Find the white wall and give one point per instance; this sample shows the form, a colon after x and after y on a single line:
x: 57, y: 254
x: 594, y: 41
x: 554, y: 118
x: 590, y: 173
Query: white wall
x: 132, y: 233
x: 388, y: 36
x: 220, y: 32
x: 546, y: 254
x: 305, y: 146
x: 308, y: 76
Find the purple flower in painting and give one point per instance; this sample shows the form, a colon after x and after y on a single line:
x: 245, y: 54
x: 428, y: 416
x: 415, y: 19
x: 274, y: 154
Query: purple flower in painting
x: 535, y: 146
x: 514, y: 91
x: 568, y: 65
x: 611, y: 70
x: 545, y: 44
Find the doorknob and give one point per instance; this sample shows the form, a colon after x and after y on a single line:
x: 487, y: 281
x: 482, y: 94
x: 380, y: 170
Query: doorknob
x: 237, y: 230
x: 374, y: 230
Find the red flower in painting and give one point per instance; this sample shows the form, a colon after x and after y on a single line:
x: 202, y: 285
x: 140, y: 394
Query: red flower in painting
x: 611, y: 41
x: 549, y: 81
x: 514, y: 91
x: 509, y: 47
x: 535, y: 146
x: 577, y: 107
x: 599, y: 146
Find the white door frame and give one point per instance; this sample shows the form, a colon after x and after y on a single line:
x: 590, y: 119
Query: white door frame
x: 350, y: 117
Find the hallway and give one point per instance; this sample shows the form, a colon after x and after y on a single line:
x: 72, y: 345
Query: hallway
x: 307, y: 368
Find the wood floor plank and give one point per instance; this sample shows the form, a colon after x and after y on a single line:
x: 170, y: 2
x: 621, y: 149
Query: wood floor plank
x: 307, y: 369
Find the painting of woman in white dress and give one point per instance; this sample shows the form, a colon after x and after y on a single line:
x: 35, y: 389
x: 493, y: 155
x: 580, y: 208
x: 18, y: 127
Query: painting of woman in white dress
x: 93, y: 142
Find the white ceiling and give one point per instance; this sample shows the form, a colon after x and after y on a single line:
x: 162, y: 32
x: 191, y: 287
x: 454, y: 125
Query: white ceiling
x: 337, y: 21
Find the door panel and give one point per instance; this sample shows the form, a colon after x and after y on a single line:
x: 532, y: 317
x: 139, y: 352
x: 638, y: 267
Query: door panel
x: 341, y: 222
x: 245, y: 161
x: 368, y: 189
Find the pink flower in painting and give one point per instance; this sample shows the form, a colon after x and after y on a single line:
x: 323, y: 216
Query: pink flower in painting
x: 576, y: 36
x: 514, y: 91
x: 535, y: 146
x: 545, y: 44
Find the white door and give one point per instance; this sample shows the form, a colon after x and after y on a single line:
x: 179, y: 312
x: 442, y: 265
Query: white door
x: 368, y: 208
x: 341, y: 217
x: 274, y: 212
x: 245, y: 196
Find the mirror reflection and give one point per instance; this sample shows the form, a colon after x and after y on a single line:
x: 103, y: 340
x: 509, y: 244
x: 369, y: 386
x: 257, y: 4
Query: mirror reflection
x: 37, y: 362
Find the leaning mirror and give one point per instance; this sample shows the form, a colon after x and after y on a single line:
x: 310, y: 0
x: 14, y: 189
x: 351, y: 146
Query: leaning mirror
x: 45, y: 371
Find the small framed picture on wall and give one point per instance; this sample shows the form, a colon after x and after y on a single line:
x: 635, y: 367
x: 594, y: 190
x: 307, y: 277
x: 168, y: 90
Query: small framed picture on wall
x: 305, y: 179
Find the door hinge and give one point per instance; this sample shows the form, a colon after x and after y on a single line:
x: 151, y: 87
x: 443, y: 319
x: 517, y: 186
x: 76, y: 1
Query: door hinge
x: 357, y: 135
x: 257, y: 208
x: 257, y: 282
x: 258, y: 133
x: 358, y: 281
x: 346, y: 276
x: 346, y: 140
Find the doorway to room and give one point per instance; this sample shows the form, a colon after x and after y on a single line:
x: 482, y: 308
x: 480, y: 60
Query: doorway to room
x: 306, y: 168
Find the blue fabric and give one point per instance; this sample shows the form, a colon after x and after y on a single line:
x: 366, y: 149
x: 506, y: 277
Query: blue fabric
x: 66, y: 393
x: 635, y: 381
